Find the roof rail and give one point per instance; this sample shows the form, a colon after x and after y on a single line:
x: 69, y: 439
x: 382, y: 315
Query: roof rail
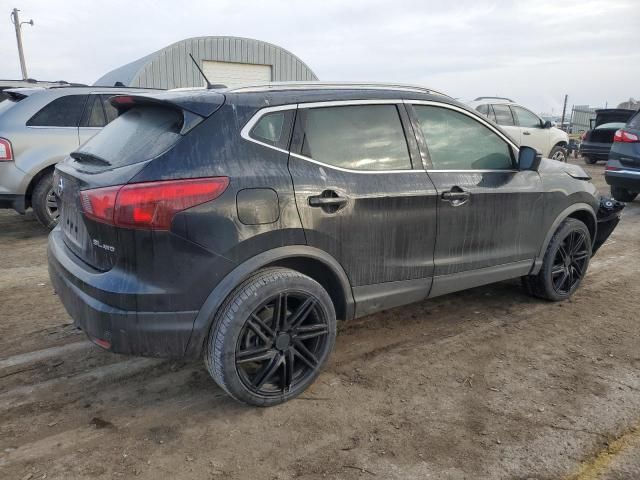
x: 273, y: 86
x: 495, y: 98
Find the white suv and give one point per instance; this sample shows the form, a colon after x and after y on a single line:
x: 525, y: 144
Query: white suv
x: 524, y: 126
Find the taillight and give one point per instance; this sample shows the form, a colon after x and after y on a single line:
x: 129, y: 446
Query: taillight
x: 6, y: 154
x: 149, y: 205
x: 625, y: 137
x: 611, y: 169
x: 584, y: 136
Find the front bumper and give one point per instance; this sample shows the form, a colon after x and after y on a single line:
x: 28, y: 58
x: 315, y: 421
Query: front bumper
x: 608, y: 217
x: 157, y: 334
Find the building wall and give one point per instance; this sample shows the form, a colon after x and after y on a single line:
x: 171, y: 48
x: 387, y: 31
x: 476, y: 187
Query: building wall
x: 172, y: 67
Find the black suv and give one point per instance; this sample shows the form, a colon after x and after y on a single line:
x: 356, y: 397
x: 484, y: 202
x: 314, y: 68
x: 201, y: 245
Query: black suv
x: 240, y: 224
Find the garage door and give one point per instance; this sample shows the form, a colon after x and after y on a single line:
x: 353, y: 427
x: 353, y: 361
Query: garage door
x: 234, y: 74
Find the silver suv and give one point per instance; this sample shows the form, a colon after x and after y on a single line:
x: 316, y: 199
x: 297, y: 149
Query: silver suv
x: 38, y: 128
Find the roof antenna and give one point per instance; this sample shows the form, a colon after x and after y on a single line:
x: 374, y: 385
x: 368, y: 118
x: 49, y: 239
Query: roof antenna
x: 209, y: 84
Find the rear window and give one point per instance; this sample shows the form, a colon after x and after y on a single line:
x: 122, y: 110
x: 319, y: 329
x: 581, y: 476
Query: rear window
x: 6, y: 105
x: 62, y: 112
x: 635, y: 121
x: 139, y: 134
x: 610, y: 126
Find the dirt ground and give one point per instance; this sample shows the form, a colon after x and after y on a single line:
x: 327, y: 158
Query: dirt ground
x: 486, y: 383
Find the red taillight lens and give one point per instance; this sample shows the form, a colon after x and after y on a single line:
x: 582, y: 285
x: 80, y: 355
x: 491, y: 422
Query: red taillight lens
x: 150, y: 205
x: 625, y: 137
x: 584, y: 136
x: 611, y: 169
x: 6, y: 153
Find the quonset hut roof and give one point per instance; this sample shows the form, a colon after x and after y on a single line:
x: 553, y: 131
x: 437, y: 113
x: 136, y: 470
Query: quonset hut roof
x: 171, y: 67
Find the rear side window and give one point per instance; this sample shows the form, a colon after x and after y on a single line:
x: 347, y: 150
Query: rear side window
x: 274, y: 128
x: 109, y: 110
x: 357, y: 137
x: 139, y: 134
x: 458, y: 142
x: 503, y: 115
x: 635, y: 121
x: 62, y: 112
x: 94, y: 113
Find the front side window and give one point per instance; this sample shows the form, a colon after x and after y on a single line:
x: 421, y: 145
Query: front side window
x: 62, y: 112
x: 526, y: 118
x: 458, y: 142
x: 357, y: 137
x: 503, y: 115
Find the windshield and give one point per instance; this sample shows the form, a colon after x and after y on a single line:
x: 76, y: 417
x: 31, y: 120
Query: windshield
x: 611, y: 125
x: 139, y: 134
x: 635, y: 121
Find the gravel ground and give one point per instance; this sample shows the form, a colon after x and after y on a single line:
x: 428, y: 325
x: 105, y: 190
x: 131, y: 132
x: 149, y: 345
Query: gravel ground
x: 487, y: 383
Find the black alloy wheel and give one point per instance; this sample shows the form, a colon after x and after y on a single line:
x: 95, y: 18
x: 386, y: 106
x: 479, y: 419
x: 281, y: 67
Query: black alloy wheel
x: 569, y: 264
x: 281, y: 344
x: 271, y: 337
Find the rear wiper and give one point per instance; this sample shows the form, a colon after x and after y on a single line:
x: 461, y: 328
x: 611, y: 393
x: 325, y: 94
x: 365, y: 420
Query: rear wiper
x: 88, y: 158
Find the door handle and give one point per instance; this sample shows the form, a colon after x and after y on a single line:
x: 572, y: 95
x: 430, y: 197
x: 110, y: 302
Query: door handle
x: 456, y: 196
x: 526, y: 133
x: 329, y: 201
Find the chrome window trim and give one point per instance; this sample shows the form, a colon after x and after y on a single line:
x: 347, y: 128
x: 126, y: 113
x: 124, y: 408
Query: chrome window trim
x: 479, y: 119
x: 246, y: 130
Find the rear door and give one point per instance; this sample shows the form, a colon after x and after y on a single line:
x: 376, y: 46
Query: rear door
x: 489, y: 213
x: 504, y: 117
x: 533, y: 133
x: 362, y: 193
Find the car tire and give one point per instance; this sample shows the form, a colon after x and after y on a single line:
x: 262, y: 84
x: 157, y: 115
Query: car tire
x: 558, y: 153
x: 589, y: 160
x: 271, y: 337
x: 623, y: 195
x: 565, y: 263
x: 43, y: 202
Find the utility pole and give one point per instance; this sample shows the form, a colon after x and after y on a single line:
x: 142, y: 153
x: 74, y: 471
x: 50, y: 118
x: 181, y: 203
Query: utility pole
x: 15, y: 19
x: 564, y: 110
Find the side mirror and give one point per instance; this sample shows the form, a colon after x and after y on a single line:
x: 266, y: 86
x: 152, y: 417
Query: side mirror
x: 529, y: 159
x: 547, y: 124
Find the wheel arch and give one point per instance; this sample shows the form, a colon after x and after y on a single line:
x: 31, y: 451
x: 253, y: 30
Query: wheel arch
x: 580, y: 211
x: 34, y: 181
x: 310, y: 261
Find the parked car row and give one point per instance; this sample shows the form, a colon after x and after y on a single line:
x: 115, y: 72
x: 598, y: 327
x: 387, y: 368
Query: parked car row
x: 239, y: 224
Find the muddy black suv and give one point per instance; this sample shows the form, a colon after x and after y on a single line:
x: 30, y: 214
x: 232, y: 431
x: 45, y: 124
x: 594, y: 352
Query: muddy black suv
x: 239, y: 224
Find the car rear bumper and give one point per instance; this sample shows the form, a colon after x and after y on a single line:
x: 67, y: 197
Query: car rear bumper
x: 629, y: 179
x: 157, y: 334
x: 17, y: 202
x: 599, y: 151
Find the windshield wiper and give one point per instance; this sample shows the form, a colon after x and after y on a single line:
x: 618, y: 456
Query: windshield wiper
x: 88, y: 158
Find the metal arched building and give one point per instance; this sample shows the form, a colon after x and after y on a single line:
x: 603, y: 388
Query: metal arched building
x: 226, y: 60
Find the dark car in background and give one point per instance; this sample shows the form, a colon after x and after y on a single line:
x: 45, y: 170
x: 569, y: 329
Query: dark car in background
x: 240, y: 224
x: 622, y: 172
x: 596, y: 143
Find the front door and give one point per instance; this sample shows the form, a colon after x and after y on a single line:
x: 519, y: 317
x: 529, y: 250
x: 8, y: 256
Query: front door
x: 489, y: 213
x: 364, y: 197
x: 533, y: 132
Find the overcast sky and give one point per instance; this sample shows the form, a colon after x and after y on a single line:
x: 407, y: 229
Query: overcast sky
x: 534, y: 51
